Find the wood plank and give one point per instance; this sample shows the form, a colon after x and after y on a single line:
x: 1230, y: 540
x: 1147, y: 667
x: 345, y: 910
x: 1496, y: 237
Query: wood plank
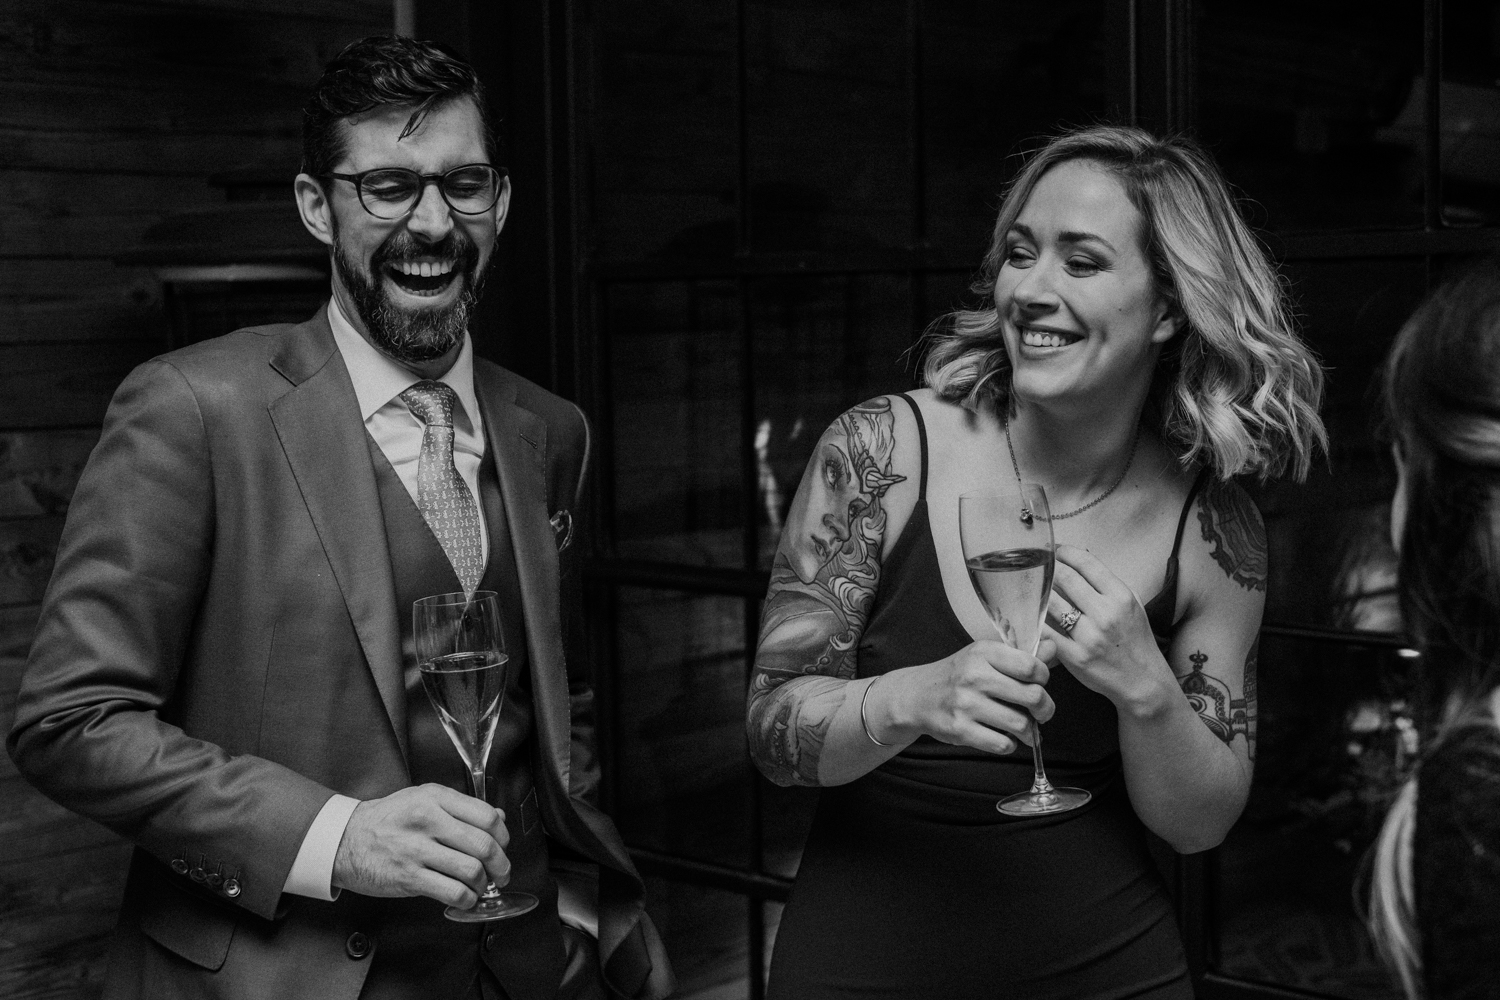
x: 55, y: 915
x: 66, y: 384
x: 39, y: 470
x: 172, y: 153
x: 377, y: 12
x: 51, y: 41
x: 201, y: 108
x: 44, y: 300
x: 46, y: 214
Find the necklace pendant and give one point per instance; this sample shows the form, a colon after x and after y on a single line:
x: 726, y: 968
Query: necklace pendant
x: 1026, y: 516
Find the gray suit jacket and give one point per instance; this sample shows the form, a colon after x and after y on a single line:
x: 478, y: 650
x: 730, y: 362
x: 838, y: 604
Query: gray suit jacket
x: 219, y: 652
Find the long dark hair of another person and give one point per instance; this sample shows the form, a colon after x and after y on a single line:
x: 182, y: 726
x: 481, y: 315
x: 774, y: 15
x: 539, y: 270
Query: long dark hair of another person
x: 1442, y: 401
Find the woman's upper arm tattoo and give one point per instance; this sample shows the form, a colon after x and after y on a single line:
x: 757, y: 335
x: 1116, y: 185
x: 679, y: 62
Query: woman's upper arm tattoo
x: 1233, y: 526
x: 823, y: 582
x: 1225, y: 715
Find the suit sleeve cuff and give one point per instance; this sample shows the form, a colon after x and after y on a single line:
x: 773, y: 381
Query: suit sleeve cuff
x: 312, y: 871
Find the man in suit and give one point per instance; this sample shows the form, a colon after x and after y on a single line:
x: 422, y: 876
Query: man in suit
x: 224, y: 671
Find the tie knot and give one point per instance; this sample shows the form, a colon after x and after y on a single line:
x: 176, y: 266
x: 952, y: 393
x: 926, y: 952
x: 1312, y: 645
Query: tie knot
x: 432, y: 402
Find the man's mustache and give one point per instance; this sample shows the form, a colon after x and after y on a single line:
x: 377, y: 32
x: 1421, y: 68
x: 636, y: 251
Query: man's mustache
x: 454, y: 248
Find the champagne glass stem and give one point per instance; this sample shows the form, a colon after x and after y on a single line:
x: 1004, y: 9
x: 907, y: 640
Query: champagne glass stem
x: 1039, y: 783
x: 476, y: 781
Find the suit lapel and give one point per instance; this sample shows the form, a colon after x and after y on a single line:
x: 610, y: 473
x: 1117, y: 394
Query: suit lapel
x: 325, y: 444
x: 518, y: 439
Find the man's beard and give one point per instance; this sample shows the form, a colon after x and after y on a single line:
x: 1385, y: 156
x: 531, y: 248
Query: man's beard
x: 411, y: 336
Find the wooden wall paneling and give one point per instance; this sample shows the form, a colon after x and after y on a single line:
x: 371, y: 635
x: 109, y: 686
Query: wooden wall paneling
x: 54, y: 300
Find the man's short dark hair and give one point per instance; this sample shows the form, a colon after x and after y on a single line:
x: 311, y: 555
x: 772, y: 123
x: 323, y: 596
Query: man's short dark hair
x: 382, y: 71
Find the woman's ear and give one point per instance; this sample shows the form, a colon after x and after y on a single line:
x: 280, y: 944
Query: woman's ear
x: 1169, y: 320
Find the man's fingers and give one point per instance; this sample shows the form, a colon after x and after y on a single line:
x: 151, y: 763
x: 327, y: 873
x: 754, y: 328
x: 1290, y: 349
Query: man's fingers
x: 448, y: 891
x: 479, y: 846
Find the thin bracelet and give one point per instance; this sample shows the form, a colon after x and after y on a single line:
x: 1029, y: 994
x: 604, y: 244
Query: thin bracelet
x: 866, y: 722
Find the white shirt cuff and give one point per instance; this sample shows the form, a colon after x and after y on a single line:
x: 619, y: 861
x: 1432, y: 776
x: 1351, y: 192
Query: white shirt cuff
x: 312, y: 872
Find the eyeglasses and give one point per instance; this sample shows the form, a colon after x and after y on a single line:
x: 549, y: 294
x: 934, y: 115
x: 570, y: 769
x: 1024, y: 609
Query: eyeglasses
x: 391, y: 193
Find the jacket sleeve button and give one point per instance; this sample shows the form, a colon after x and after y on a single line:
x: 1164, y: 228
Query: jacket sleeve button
x: 359, y: 945
x: 231, y: 887
x: 180, y: 866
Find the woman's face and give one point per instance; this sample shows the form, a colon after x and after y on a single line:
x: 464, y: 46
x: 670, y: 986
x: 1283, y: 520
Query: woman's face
x: 1399, y: 499
x: 1075, y: 294
x: 818, y: 521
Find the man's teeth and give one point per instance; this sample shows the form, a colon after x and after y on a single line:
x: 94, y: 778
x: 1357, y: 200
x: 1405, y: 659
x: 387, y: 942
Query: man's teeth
x: 425, y: 269
x: 1034, y: 338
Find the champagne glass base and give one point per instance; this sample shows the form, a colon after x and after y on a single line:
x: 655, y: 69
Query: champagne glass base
x: 500, y: 906
x: 1036, y: 803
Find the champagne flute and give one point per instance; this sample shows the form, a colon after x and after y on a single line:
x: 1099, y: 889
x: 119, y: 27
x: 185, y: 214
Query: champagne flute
x: 461, y: 656
x: 1007, y: 544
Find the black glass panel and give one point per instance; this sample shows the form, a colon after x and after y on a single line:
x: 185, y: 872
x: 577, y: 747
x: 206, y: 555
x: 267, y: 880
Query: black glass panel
x: 663, y: 158
x: 1331, y: 560
x: 821, y: 345
x: 829, y: 110
x: 705, y: 934
x: 674, y: 378
x: 1335, y: 740
x: 1470, y: 113
x: 996, y: 75
x: 683, y: 772
x: 1308, y: 108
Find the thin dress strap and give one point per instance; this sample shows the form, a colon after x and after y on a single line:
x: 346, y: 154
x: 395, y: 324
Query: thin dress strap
x: 1198, y: 484
x: 916, y: 411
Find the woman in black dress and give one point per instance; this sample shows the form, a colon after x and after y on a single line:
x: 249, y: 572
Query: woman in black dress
x: 1435, y: 901
x: 1131, y: 352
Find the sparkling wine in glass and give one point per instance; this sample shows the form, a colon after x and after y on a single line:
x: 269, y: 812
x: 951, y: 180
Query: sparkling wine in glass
x: 461, y: 656
x: 1007, y: 543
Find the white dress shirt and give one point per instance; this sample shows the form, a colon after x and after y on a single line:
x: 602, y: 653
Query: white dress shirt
x: 378, y: 384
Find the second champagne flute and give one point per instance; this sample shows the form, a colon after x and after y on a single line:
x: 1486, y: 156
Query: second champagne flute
x: 1007, y: 544
x: 461, y: 654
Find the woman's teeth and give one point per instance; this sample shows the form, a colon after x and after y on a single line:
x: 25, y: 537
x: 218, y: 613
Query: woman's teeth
x: 1034, y: 338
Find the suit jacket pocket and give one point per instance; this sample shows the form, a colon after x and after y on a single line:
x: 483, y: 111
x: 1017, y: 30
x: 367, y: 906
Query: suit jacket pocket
x: 176, y: 918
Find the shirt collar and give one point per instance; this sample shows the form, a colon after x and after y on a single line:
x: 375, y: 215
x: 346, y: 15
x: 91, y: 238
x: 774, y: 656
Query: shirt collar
x: 378, y: 380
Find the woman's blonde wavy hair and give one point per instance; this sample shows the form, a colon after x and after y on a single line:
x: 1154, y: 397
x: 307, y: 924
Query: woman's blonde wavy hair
x: 1235, y: 388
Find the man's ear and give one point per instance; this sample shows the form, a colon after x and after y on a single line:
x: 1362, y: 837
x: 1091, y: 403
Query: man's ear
x: 313, y: 206
x: 502, y: 205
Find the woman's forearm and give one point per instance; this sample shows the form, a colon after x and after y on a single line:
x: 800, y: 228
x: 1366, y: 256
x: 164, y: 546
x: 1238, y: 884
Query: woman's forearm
x: 1187, y: 785
x: 808, y: 731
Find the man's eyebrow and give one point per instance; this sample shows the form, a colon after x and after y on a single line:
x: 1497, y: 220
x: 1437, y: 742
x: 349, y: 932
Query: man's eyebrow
x: 1071, y: 236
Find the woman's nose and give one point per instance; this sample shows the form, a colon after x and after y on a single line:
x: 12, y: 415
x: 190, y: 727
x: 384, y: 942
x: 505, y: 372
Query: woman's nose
x: 1035, y: 290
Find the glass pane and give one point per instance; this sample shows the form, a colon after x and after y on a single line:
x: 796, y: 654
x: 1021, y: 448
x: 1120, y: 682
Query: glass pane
x: 994, y: 75
x: 705, y: 931
x: 1470, y: 112
x: 674, y: 377
x: 1331, y: 560
x: 683, y: 771
x: 829, y: 108
x: 1308, y: 107
x: 822, y: 344
x: 1333, y: 743
x: 663, y: 156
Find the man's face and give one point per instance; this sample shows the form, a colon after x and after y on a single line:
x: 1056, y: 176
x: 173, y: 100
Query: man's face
x: 410, y: 283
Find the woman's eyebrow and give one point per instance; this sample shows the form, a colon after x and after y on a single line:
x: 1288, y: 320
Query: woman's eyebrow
x: 1071, y: 236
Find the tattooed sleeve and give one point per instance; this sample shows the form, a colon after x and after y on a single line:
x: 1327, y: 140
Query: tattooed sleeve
x: 822, y: 585
x: 1232, y: 525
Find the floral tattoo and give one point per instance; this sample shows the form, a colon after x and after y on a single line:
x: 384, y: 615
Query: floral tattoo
x: 1232, y: 525
x: 823, y: 583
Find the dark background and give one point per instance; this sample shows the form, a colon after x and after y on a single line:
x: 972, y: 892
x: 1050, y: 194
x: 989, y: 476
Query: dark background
x: 732, y: 219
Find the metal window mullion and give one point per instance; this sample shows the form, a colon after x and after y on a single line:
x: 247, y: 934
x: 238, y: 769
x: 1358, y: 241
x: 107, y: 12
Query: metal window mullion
x: 1432, y: 74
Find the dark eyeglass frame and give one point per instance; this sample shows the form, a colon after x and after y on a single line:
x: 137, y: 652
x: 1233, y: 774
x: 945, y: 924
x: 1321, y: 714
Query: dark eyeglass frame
x: 358, y: 180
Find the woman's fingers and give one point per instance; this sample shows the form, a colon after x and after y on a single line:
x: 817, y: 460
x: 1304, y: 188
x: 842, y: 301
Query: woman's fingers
x: 1075, y: 589
x: 1087, y: 567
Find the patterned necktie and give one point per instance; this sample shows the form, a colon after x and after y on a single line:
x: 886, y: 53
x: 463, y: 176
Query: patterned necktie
x: 442, y: 495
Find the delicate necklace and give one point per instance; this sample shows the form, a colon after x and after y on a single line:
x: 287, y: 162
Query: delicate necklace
x: 1026, y: 513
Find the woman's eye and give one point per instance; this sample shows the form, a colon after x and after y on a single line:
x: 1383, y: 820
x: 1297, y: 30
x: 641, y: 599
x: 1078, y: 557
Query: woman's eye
x: 831, y: 472
x: 1083, y: 266
x: 1018, y: 257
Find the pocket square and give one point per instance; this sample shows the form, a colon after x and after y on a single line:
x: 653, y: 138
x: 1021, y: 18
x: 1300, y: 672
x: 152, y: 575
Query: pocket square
x: 562, y: 528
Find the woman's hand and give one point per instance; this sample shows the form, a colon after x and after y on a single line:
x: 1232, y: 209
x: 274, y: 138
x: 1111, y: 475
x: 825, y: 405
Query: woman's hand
x: 983, y: 696
x: 1109, y: 648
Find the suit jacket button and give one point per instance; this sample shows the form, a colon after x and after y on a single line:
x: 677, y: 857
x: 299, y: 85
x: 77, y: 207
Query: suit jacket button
x: 490, y: 940
x: 231, y: 887
x: 180, y: 866
x: 358, y: 945
x: 197, y: 874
